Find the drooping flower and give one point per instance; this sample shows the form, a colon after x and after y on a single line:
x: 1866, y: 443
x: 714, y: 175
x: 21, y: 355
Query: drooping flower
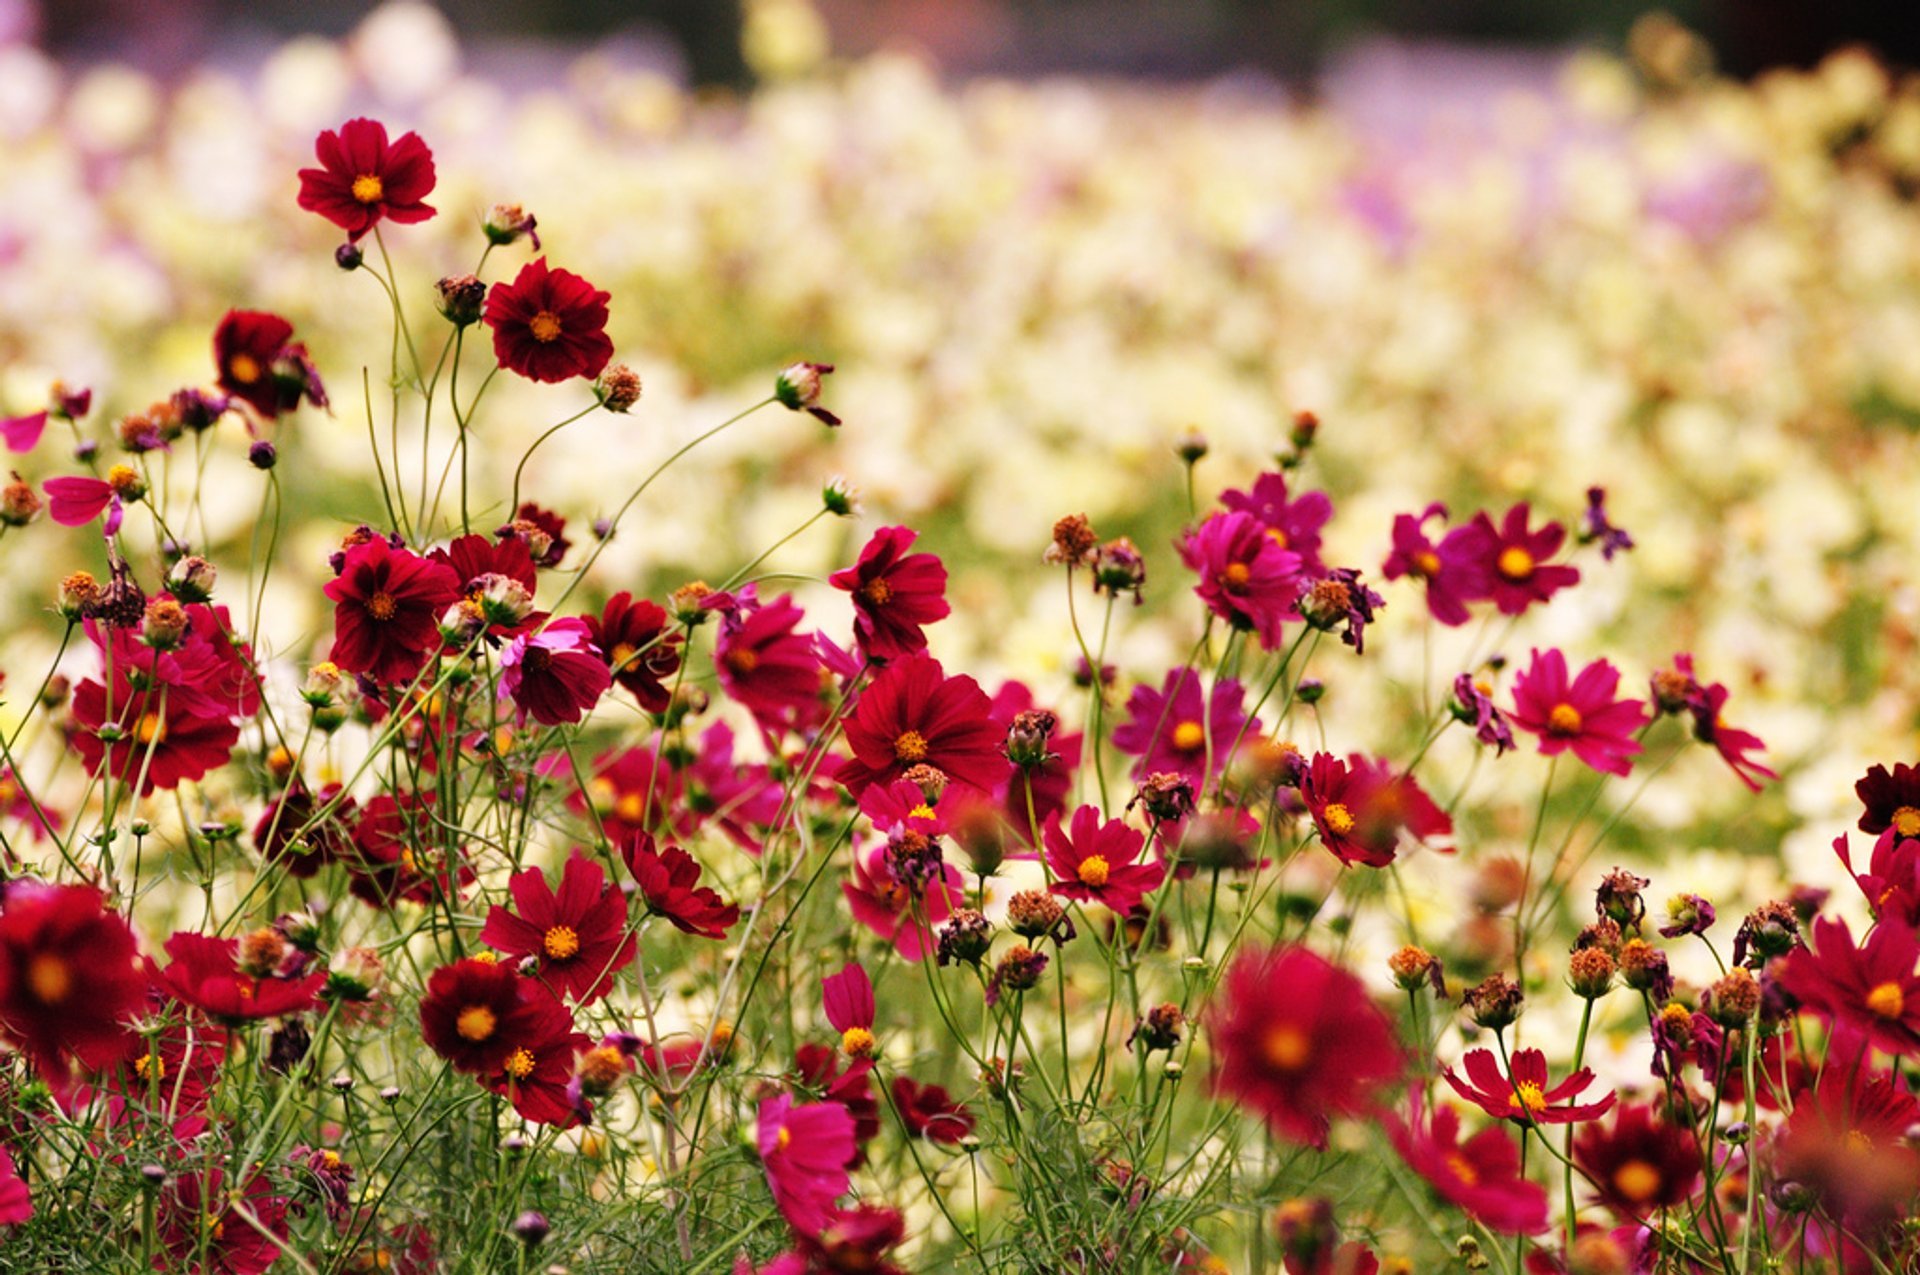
x: 930, y: 1112
x: 1582, y: 715
x: 669, y: 882
x: 1891, y: 882
x: 262, y: 365
x: 1246, y: 578
x: 211, y: 1230
x: 555, y: 676
x: 1298, y: 1040
x: 1871, y: 988
x: 549, y: 325
x: 1511, y: 560
x: 69, y: 976
x: 73, y: 501
x: 1524, y: 1097
x: 363, y: 180
x: 578, y: 935
x: 1293, y: 523
x: 805, y: 1149
x: 1361, y: 806
x: 848, y: 999
x: 895, y: 594
x: 915, y: 715
x: 207, y: 974
x: 1178, y: 730
x: 631, y: 634
x: 1452, y: 575
x: 1638, y: 1163
x: 1473, y: 705
x: 1890, y: 800
x: 1097, y: 861
x: 1340, y: 598
x: 1678, y: 689
x: 1597, y: 527
x: 387, y: 605
x: 1481, y: 1176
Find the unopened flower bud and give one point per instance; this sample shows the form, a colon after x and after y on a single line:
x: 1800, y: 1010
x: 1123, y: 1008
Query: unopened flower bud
x: 1191, y: 446
x: 1590, y: 973
x: 79, y: 594
x: 965, y: 938
x: 684, y: 603
x: 618, y: 388
x: 191, y: 579
x: 354, y: 975
x: 798, y: 387
x: 507, y: 223
x: 324, y: 682
x: 263, y: 455
x: 502, y: 599
x: 531, y: 1228
x: 1306, y: 426
x: 348, y: 256
x: 67, y: 403
x: 840, y: 497
x: 462, y: 298
x: 1119, y: 568
x: 462, y: 622
x: 1311, y: 690
x: 1028, y: 736
x: 1412, y: 967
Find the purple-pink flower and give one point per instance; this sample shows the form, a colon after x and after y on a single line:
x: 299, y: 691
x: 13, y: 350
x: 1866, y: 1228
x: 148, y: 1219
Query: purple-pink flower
x: 1246, y: 577
x: 1582, y: 714
x: 1173, y: 729
x: 556, y: 675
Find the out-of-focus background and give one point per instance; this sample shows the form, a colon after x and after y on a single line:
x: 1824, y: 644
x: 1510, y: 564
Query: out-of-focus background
x: 1504, y: 250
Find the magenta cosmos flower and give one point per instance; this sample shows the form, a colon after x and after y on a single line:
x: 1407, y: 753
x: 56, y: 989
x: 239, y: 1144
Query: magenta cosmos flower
x: 895, y: 594
x: 1872, y: 987
x: 1481, y: 1175
x: 1292, y: 522
x: 578, y: 936
x: 805, y: 1150
x: 1511, y: 561
x: 1453, y: 575
x: 848, y: 999
x: 556, y: 675
x: 363, y: 180
x: 1175, y: 729
x: 1361, y: 806
x: 767, y: 665
x: 1526, y: 1095
x: 1582, y: 715
x: 893, y: 910
x: 1246, y: 578
x: 1098, y: 862
x: 915, y: 715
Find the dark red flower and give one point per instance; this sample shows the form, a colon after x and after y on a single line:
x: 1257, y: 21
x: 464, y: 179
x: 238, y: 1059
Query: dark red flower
x: 1097, y: 861
x: 895, y: 593
x: 205, y: 973
x: 476, y: 1013
x: 536, y: 1073
x: 325, y: 841
x: 1298, y: 1040
x: 632, y: 636
x: 395, y: 856
x: 69, y: 976
x: 1581, y: 714
x: 1511, y: 560
x: 816, y: 1068
x: 207, y: 1229
x: 669, y: 881
x: 363, y: 179
x: 1362, y: 806
x: 1638, y: 1163
x: 1525, y: 1097
x: 1891, y: 882
x: 579, y: 936
x: 768, y: 667
x: 1847, y: 1142
x: 262, y: 365
x: 549, y: 325
x: 1872, y: 989
x: 387, y: 608
x: 930, y: 1112
x: 488, y: 572
x: 208, y: 672
x: 1890, y: 800
x: 915, y: 715
x: 853, y: 1242
x: 149, y: 739
x: 556, y: 675
x: 543, y: 531
x: 1481, y: 1175
x: 893, y: 910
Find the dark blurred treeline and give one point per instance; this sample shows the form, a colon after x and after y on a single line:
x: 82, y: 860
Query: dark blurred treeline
x: 1154, y: 38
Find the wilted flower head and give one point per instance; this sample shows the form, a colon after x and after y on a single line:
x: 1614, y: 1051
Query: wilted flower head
x: 618, y: 388
x: 1473, y: 706
x: 506, y: 223
x: 1118, y: 568
x: 1495, y: 1002
x: 1595, y: 526
x: 1074, y: 542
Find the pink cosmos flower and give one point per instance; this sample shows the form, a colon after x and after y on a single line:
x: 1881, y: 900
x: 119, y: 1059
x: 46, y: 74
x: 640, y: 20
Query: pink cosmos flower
x: 1452, y: 575
x: 74, y: 502
x: 1246, y: 578
x: 1098, y: 862
x: 805, y: 1150
x: 1582, y: 715
x: 1175, y: 730
x: 16, y: 1205
x: 848, y: 997
x: 1481, y: 1175
x: 1512, y: 560
x: 1872, y: 987
x: 557, y: 675
x: 22, y: 432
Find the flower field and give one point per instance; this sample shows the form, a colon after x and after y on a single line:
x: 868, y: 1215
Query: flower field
x: 1011, y: 677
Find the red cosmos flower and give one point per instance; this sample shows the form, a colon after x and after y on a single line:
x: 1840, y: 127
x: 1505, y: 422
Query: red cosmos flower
x: 391, y: 858
x: 1175, y: 729
x: 1846, y: 1140
x: 1638, y: 1163
x: 326, y: 841
x: 150, y: 739
x: 894, y: 593
x: 363, y: 180
x: 209, y: 673
x: 262, y: 365
x: 69, y: 976
x: 210, y: 1230
x: 487, y: 572
x: 768, y: 667
x: 16, y: 1204
x: 848, y: 997
x: 889, y: 908
x: 476, y: 1013
x: 743, y: 798
x: 75, y: 502
x: 543, y: 531
x: 556, y: 675
x: 537, y: 1072
x: 205, y: 973
x: 669, y: 881
x: 816, y: 1068
x: 1452, y: 575
x: 915, y: 715
x: 1481, y: 1175
x: 1246, y: 577
x: 1293, y: 523
x: 853, y: 1242
x: 640, y: 652
x: 1890, y: 800
x: 1098, y: 862
x: 579, y: 936
x: 1583, y: 715
x: 1351, y: 1258
x: 1511, y: 561
x: 930, y: 1112
x: 1495, y: 1094
x: 1298, y: 1041
x: 549, y: 325
x: 631, y: 792
x: 163, y: 1081
x: 1360, y: 808
x: 805, y: 1150
x: 18, y: 804
x: 387, y: 607
x: 1872, y: 988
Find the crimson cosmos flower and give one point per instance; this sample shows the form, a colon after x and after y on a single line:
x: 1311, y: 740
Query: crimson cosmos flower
x: 891, y: 910
x: 1098, y: 862
x: 848, y: 998
x: 1510, y: 561
x: 895, y: 593
x: 476, y: 1013
x: 853, y: 1241
x: 1453, y: 576
x: 362, y: 179
x: 1481, y: 1175
x: 669, y: 881
x: 1246, y: 577
x: 632, y: 636
x: 579, y: 936
x: 69, y: 976
x: 915, y: 715
x: 203, y: 1229
x: 205, y: 973
x: 555, y: 676
x: 1581, y: 715
x: 1496, y: 1094
x: 1871, y: 988
x: 261, y: 364
x: 1707, y: 704
x: 1179, y: 730
x: 1846, y: 1140
x: 1351, y: 1258
x: 1638, y: 1163
x: 1891, y: 882
x: 1361, y: 806
x: 1298, y: 1040
x: 387, y: 607
x: 481, y: 566
x: 805, y: 1150
x: 816, y: 1069
x: 537, y: 1072
x: 767, y: 666
x: 1890, y: 800
x: 150, y: 738
x: 549, y: 325
x: 930, y: 1112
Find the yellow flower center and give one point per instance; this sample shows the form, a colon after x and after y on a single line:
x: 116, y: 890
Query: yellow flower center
x: 476, y: 1023
x: 1636, y: 1180
x: 1534, y: 1098
x: 1857, y: 1142
x: 783, y: 1138
x: 560, y: 943
x: 622, y: 653
x: 1285, y: 1047
x: 1189, y: 736
x: 1426, y: 564
x: 1887, y: 1000
x: 1515, y: 563
x: 910, y: 747
x: 151, y: 730
x: 857, y: 1041
x: 545, y: 327
x: 381, y: 606
x: 49, y: 979
x: 519, y: 1063
x: 216, y: 1228
x: 878, y: 592
x: 1906, y: 821
x: 921, y: 811
x: 367, y: 188
x: 1278, y: 536
x: 1565, y: 719
x: 1093, y: 871
x: 630, y: 807
x: 1463, y: 1169
x: 147, y: 1067
x: 330, y: 1158
x: 1339, y: 819
x: 743, y: 659
x: 485, y: 958
x: 1237, y: 574
x: 243, y: 368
